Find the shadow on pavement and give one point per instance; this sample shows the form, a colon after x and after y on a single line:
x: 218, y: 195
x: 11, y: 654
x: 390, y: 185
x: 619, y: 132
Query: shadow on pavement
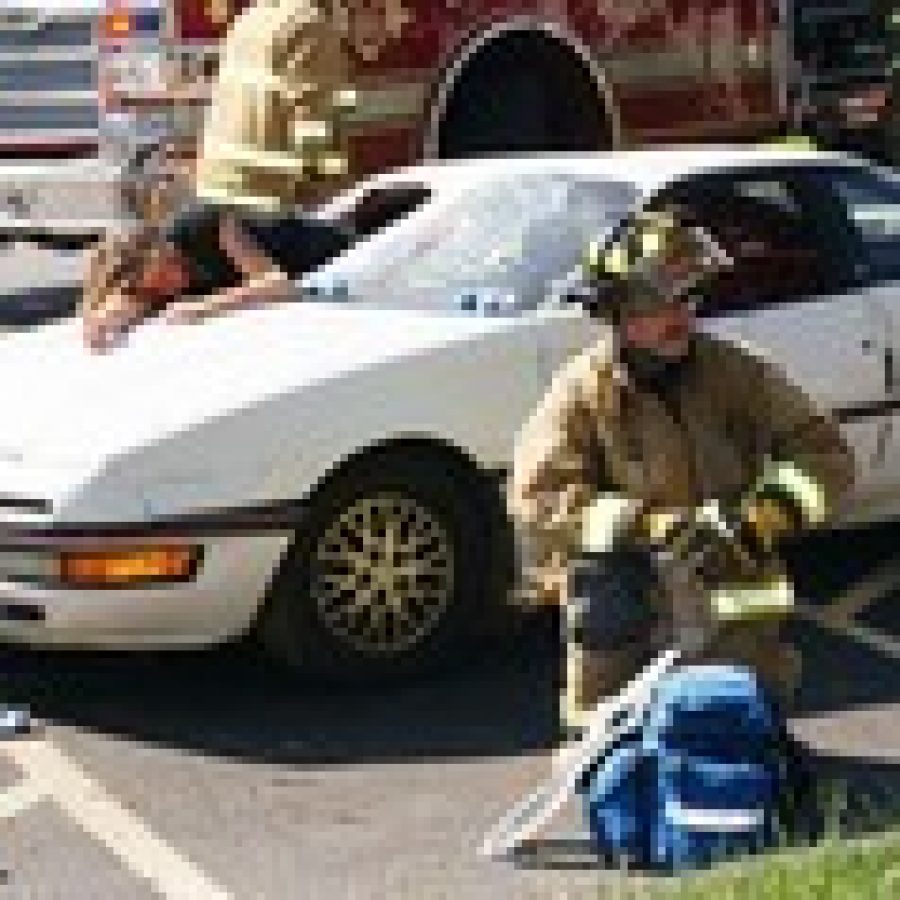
x: 838, y: 673
x: 230, y: 702
x: 863, y: 797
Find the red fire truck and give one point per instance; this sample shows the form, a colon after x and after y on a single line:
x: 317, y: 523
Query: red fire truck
x: 446, y: 78
x: 458, y: 77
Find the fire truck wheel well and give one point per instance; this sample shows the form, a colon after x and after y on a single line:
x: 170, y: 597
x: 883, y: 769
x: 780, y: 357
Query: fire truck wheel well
x: 521, y: 87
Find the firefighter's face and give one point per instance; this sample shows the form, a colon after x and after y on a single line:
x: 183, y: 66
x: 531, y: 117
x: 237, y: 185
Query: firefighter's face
x: 665, y: 330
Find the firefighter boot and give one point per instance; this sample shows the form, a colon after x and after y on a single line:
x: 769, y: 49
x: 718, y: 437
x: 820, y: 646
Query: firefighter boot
x: 590, y: 674
x: 764, y: 648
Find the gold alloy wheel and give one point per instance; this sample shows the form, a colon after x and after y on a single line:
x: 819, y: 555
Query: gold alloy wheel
x: 382, y: 574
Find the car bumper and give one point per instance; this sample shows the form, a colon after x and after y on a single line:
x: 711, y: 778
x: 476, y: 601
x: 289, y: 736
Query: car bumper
x: 220, y: 602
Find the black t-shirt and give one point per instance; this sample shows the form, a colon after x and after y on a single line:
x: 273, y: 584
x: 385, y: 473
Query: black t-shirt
x: 296, y: 242
x: 194, y: 232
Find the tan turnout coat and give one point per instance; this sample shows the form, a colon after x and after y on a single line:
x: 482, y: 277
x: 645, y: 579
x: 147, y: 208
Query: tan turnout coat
x: 595, y: 430
x: 276, y: 129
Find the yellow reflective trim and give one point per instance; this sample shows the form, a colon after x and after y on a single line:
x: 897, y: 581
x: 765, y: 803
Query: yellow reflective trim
x: 652, y: 242
x: 615, y: 261
x: 592, y: 256
x: 332, y: 165
x: 800, y: 485
x: 601, y: 520
x: 799, y: 141
x: 659, y: 524
x: 262, y: 159
x: 346, y: 98
x: 772, y: 599
x: 311, y: 131
x: 235, y: 197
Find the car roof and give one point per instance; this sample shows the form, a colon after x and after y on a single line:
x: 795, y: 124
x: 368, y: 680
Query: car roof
x: 647, y: 170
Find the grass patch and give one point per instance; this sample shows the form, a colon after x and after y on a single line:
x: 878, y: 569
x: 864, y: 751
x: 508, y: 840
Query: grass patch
x: 836, y: 869
x: 859, y: 865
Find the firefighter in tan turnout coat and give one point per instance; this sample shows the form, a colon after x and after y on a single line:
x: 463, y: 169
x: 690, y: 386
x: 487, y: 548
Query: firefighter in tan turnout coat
x: 275, y: 132
x: 667, y: 419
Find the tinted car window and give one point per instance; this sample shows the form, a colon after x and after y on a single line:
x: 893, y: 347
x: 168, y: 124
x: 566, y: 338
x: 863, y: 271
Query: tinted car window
x: 376, y: 208
x: 766, y: 226
x: 511, y: 237
x: 871, y: 204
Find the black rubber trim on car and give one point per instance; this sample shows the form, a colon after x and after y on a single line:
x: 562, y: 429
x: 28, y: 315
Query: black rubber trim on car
x: 22, y: 612
x: 859, y: 412
x: 276, y: 516
x: 38, y: 306
x: 26, y: 504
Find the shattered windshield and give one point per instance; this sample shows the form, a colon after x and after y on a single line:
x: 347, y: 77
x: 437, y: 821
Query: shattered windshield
x: 505, y: 239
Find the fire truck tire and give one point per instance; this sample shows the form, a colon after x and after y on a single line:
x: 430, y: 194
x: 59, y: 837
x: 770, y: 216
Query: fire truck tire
x: 523, y: 92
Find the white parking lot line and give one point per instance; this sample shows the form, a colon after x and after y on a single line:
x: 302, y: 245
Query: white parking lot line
x: 881, y: 643
x: 52, y: 774
x: 838, y: 616
x: 863, y: 593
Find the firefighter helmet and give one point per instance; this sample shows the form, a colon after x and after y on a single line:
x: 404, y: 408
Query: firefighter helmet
x: 658, y: 256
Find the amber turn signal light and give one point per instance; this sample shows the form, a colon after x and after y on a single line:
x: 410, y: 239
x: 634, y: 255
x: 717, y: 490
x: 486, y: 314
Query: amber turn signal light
x: 118, y: 567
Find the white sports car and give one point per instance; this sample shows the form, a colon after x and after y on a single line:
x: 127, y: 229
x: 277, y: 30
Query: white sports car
x: 329, y: 472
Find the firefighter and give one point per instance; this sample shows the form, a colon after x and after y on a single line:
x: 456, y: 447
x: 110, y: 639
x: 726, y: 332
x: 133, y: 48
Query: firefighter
x: 668, y: 419
x: 275, y: 132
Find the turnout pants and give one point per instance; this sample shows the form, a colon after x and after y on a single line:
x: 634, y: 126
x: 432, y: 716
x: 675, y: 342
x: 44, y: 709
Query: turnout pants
x: 620, y: 613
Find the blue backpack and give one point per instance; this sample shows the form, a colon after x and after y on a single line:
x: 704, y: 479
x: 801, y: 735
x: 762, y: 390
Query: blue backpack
x: 703, y: 777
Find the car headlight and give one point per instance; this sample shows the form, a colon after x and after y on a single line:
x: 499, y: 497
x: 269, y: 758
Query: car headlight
x: 102, y: 566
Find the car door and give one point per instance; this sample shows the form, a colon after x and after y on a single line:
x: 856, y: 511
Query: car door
x: 867, y: 203
x: 793, y: 298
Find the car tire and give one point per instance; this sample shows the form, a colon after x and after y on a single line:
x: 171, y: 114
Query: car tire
x: 339, y: 609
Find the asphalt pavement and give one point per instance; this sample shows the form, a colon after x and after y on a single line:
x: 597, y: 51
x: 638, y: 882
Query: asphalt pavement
x: 215, y: 775
x: 205, y: 775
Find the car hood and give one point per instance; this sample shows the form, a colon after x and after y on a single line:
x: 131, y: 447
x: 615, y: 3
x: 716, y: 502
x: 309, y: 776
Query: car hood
x: 64, y: 406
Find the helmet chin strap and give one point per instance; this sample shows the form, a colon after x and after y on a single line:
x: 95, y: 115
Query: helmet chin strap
x: 651, y: 370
